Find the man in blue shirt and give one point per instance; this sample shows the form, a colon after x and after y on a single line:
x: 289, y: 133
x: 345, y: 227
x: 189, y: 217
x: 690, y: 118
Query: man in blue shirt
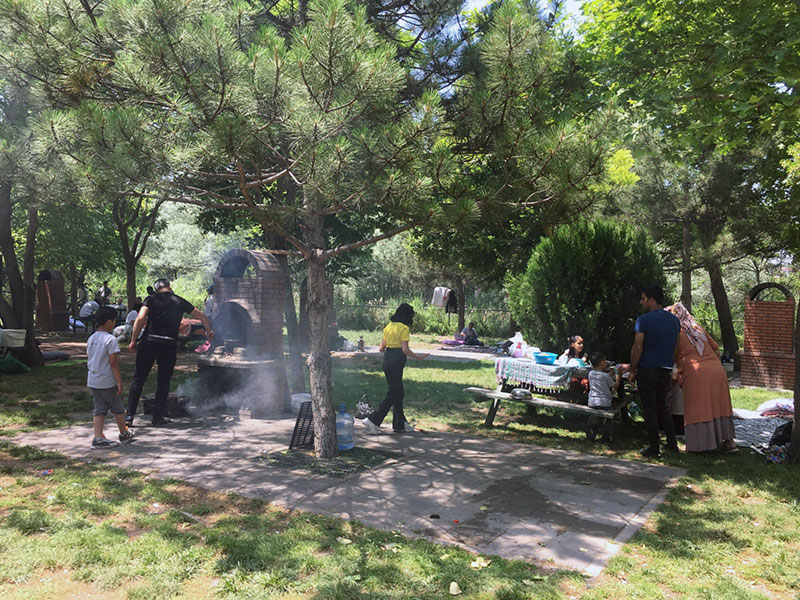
x: 652, y: 357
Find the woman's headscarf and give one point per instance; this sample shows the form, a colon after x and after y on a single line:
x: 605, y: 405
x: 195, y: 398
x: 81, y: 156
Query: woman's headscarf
x: 404, y: 314
x: 689, y: 326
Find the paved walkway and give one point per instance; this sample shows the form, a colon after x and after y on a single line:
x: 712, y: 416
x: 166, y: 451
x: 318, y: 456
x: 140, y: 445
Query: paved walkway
x: 557, y: 508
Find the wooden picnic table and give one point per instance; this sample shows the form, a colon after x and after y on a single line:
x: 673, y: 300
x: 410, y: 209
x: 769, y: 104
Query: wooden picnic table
x: 617, y: 409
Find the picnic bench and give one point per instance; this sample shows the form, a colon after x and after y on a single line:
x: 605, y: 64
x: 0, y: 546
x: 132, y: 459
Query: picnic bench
x: 618, y: 408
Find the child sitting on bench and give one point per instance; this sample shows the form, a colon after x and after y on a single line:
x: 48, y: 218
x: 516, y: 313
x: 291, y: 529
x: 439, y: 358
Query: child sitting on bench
x: 601, y: 385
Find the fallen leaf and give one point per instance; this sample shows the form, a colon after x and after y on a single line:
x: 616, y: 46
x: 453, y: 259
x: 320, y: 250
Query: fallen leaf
x: 583, y: 549
x: 542, y: 544
x: 344, y: 540
x: 455, y: 590
x: 484, y: 508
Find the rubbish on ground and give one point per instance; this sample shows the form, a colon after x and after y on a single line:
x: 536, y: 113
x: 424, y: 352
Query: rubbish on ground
x: 46, y: 472
x: 455, y: 520
x: 435, y: 516
x: 344, y: 540
x: 480, y: 563
x: 455, y: 590
x: 484, y: 508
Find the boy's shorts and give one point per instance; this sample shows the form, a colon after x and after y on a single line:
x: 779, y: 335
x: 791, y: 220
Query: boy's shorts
x: 105, y: 399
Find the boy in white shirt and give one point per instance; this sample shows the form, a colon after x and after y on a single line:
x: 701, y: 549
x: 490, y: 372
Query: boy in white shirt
x: 601, y: 384
x: 104, y: 379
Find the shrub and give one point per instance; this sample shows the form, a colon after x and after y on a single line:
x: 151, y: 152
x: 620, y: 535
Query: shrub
x: 585, y: 279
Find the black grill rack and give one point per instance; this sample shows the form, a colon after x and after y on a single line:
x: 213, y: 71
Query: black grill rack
x: 303, y: 434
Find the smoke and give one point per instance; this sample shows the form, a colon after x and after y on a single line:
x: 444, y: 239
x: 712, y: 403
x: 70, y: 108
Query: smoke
x: 259, y: 386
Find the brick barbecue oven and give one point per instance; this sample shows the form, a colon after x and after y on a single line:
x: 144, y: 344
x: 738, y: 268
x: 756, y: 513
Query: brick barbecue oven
x: 768, y: 354
x: 246, y: 367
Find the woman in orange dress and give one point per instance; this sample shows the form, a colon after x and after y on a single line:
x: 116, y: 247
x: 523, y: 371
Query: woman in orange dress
x: 707, y: 410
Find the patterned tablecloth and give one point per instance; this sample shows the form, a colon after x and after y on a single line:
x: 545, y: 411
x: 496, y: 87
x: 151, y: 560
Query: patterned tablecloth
x: 544, y: 377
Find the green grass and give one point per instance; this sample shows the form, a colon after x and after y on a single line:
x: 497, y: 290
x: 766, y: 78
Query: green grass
x: 730, y: 529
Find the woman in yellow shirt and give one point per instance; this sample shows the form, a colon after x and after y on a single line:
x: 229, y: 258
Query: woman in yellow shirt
x: 394, y: 346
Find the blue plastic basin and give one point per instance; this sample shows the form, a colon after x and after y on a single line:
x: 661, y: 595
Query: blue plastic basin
x: 545, y: 358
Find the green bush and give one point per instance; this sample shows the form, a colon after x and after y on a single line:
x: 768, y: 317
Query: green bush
x: 585, y: 279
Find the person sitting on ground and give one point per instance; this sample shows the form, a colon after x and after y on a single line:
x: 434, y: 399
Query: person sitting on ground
x: 601, y: 384
x: 104, y: 379
x: 574, y: 350
x: 470, y: 335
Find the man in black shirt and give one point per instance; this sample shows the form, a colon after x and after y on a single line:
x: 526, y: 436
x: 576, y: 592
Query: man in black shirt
x: 162, y: 312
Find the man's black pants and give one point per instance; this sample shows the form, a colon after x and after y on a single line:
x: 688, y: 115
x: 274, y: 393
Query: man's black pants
x: 165, y: 354
x: 393, y: 363
x: 654, y: 384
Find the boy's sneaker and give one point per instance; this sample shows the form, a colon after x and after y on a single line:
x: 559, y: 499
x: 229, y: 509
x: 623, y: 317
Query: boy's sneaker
x: 371, y: 427
x: 129, y: 421
x: 102, y: 442
x: 127, y: 436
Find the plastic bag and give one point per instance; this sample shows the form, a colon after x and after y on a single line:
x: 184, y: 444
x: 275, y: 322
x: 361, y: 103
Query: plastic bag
x: 782, y: 435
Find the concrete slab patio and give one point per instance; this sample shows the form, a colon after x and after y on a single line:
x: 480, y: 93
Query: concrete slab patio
x: 558, y: 508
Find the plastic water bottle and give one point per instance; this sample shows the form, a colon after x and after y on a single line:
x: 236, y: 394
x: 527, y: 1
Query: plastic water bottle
x: 344, y: 429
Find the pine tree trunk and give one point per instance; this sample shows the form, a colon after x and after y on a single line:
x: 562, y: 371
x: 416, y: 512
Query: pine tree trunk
x: 73, y: 291
x: 319, y: 361
x: 129, y: 261
x: 30, y: 354
x: 295, y: 352
x: 303, y: 333
x: 460, y: 287
x: 794, y: 449
x: 686, y: 265
x: 729, y: 340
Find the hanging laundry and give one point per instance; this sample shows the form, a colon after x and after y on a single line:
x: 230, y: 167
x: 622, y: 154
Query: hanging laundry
x: 440, y: 296
x: 452, y: 303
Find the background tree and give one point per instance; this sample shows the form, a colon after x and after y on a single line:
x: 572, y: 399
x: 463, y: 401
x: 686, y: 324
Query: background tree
x: 19, y: 199
x: 718, y: 81
x: 76, y: 242
x: 586, y: 279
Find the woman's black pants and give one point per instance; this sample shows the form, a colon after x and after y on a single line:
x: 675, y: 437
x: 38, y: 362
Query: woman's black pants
x: 393, y: 363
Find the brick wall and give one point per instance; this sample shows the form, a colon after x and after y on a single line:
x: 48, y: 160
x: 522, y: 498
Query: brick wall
x: 260, y: 296
x: 768, y: 354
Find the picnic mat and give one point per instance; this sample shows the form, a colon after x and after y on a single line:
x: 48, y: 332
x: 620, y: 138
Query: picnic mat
x: 543, y: 377
x: 755, y: 432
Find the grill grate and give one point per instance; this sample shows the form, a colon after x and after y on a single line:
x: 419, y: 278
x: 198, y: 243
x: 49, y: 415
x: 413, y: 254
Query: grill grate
x: 303, y: 434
